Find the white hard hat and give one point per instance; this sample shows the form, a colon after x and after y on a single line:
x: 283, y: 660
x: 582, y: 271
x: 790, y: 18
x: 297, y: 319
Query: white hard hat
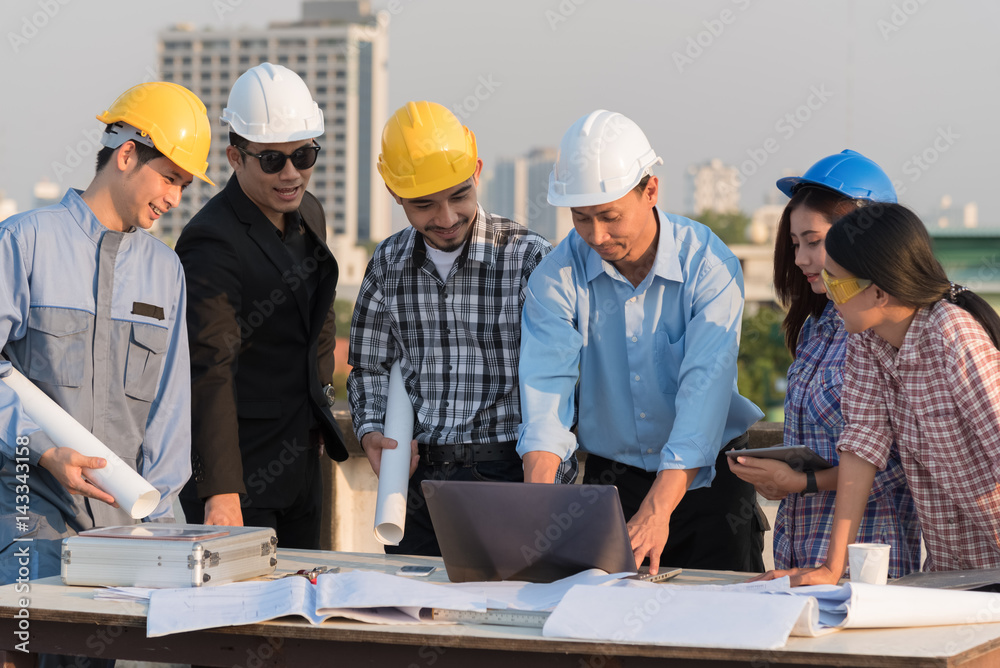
x: 270, y: 104
x: 601, y: 157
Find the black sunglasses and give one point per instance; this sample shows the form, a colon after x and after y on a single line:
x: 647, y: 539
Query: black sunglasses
x: 272, y: 162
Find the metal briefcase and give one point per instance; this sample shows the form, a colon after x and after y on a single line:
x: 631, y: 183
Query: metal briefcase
x: 167, y: 555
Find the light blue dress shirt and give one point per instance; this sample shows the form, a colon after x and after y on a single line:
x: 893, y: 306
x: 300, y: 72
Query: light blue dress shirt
x: 649, y: 371
x: 95, y: 319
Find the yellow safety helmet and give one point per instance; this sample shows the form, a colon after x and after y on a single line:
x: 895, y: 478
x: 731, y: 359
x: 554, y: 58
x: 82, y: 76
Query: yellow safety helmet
x: 166, y: 116
x: 425, y: 150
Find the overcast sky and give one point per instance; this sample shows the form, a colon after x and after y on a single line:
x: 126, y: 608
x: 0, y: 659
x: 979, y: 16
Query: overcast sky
x: 768, y: 85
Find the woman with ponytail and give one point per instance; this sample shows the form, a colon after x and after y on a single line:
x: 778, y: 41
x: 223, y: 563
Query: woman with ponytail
x: 923, y: 372
x: 814, y: 333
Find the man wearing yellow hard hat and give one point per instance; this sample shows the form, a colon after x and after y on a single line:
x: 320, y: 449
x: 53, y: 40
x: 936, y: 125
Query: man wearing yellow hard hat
x: 92, y: 312
x: 443, y: 298
x: 262, y: 282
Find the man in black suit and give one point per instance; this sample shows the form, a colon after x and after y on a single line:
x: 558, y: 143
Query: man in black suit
x: 261, y: 283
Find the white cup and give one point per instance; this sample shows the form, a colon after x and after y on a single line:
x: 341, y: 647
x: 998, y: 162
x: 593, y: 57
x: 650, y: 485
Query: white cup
x: 869, y: 562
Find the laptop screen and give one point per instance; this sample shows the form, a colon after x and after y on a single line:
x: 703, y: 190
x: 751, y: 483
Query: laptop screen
x: 531, y: 532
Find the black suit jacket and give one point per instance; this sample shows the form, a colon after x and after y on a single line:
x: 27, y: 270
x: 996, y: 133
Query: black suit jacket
x: 259, y: 355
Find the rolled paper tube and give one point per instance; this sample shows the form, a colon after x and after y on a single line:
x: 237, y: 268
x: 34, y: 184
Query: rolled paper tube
x: 130, y: 490
x: 394, y: 469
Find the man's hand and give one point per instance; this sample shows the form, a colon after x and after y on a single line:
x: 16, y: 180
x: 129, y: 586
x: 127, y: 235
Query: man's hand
x: 373, y: 443
x: 648, y: 532
x: 69, y: 467
x: 224, y: 510
x: 774, y: 479
x: 540, y: 466
x: 649, y: 528
x: 802, y: 576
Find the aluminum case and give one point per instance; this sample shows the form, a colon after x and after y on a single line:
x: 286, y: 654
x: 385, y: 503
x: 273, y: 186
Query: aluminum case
x: 244, y: 553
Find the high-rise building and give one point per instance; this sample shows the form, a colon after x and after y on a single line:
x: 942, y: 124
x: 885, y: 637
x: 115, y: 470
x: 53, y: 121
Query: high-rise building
x: 552, y: 222
x: 518, y: 189
x: 340, y: 49
x: 506, y: 189
x: 712, y: 186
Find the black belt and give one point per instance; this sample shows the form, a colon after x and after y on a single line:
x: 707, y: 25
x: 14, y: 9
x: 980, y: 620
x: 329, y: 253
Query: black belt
x: 738, y: 443
x: 467, y: 454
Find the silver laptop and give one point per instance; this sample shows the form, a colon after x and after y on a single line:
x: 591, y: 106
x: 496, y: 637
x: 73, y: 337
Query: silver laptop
x: 527, y: 531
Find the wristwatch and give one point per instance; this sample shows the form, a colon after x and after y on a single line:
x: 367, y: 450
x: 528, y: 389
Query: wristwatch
x: 330, y: 393
x: 811, y: 488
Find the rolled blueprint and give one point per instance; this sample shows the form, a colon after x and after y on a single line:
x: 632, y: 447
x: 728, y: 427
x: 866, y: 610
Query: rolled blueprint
x: 133, y: 494
x: 394, y: 469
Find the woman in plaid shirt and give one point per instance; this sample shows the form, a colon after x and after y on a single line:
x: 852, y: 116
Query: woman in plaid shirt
x: 814, y: 332
x: 924, y: 371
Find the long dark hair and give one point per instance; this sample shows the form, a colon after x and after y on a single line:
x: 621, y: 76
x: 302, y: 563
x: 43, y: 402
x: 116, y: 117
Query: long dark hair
x: 790, y: 284
x: 889, y: 245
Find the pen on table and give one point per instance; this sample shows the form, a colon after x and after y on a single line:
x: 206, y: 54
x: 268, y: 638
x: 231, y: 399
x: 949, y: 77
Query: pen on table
x: 313, y: 573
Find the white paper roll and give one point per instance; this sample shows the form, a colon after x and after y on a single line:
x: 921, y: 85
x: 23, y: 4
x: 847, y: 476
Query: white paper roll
x: 394, y: 469
x: 133, y: 493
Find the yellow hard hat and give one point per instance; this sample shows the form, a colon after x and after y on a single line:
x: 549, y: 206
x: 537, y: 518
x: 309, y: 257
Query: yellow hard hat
x: 169, y: 115
x: 425, y: 150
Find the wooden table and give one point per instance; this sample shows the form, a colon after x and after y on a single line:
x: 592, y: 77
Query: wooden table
x: 68, y: 620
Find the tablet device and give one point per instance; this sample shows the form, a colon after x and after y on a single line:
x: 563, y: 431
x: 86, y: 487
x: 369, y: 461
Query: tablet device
x: 799, y: 457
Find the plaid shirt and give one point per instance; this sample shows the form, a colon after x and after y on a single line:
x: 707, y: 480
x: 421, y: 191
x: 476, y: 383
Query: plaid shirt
x: 939, y: 397
x: 812, y: 418
x: 457, y: 340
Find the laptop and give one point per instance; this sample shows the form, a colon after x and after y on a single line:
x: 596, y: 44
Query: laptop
x: 530, y: 532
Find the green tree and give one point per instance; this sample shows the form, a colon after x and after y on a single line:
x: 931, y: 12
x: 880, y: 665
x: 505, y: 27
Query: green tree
x: 764, y: 360
x: 730, y: 227
x: 343, y: 309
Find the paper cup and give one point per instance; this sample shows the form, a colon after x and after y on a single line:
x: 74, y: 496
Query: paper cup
x: 869, y: 562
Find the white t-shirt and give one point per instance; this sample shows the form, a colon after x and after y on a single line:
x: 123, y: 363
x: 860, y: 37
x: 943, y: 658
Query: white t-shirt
x: 443, y: 260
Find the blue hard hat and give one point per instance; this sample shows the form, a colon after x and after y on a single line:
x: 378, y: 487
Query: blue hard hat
x: 848, y: 173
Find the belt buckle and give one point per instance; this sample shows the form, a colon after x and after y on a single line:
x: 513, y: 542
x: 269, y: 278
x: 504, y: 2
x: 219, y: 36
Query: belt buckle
x: 465, y: 456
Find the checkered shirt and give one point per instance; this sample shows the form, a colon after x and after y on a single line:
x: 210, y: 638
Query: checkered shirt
x: 803, y: 524
x: 939, y: 396
x: 457, y: 340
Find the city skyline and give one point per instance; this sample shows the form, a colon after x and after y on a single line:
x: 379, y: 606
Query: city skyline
x: 766, y: 87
